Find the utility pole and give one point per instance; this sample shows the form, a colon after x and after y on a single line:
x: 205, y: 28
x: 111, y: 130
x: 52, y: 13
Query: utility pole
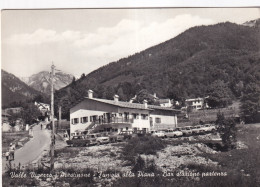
x: 59, y: 117
x: 52, y: 118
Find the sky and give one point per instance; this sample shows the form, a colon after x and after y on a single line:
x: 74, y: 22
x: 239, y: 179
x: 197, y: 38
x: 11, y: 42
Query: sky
x: 81, y: 40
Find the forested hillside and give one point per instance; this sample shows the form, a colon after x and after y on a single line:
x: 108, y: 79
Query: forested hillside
x: 183, y: 67
x: 15, y: 92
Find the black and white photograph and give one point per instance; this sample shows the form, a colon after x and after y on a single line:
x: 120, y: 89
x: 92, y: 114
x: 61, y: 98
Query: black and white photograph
x: 130, y: 97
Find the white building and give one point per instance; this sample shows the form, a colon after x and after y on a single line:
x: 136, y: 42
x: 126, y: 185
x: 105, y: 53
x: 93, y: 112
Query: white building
x: 196, y: 103
x: 165, y: 102
x: 44, y: 108
x: 115, y: 115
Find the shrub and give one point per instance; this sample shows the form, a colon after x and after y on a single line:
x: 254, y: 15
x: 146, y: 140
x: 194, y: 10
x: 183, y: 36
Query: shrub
x: 227, y: 130
x: 68, y: 151
x: 141, y: 145
x: 144, y: 145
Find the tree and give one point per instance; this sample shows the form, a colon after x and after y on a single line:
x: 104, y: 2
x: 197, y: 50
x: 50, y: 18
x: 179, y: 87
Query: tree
x: 82, y: 75
x: 13, y: 118
x: 30, y: 113
x: 250, y: 102
x: 219, y: 94
x: 145, y: 95
x: 227, y: 130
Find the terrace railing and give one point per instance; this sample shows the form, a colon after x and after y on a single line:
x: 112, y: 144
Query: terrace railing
x: 114, y: 120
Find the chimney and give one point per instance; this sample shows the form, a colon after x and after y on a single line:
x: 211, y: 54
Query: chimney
x: 116, y: 98
x: 154, y: 95
x: 90, y: 94
x: 145, y: 104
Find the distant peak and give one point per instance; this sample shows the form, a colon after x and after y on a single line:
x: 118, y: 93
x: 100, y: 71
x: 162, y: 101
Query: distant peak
x: 252, y: 23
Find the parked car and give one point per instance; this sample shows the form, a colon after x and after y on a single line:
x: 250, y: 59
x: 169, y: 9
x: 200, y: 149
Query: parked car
x: 101, y: 139
x: 76, y: 141
x: 114, y: 137
x: 185, y: 130
x: 197, y: 129
x: 159, y: 134
x: 209, y: 128
x: 172, y: 133
x: 127, y: 134
x: 92, y: 139
x: 139, y: 133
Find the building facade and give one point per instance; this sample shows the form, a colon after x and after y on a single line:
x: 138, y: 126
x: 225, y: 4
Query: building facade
x: 117, y: 116
x: 44, y: 109
x: 196, y: 103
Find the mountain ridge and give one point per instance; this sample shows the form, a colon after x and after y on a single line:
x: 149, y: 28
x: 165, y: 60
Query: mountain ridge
x: 14, y: 91
x: 42, y: 81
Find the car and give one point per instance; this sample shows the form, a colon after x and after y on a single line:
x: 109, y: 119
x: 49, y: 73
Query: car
x: 76, y: 141
x: 197, y: 129
x: 185, y: 130
x: 209, y: 128
x: 159, y: 134
x: 92, y: 139
x: 172, y: 133
x: 114, y: 136
x: 101, y: 139
x: 127, y: 134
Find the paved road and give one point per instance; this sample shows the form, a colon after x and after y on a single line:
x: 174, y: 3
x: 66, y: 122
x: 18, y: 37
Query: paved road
x: 34, y: 148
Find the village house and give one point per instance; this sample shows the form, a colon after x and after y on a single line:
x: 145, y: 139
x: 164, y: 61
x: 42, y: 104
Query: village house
x: 15, y: 110
x: 117, y: 116
x: 6, y: 126
x: 165, y: 102
x: 45, y: 109
x: 196, y: 103
x: 5, y: 121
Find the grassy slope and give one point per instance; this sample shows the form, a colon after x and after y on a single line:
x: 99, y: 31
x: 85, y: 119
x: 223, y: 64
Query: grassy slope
x: 242, y: 165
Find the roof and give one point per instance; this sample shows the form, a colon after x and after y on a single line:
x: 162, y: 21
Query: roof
x: 196, y: 99
x: 132, y: 105
x: 162, y: 108
x: 4, y: 113
x: 164, y: 101
x: 121, y: 103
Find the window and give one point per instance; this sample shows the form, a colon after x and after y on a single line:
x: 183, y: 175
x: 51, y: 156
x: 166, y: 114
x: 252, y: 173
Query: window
x: 144, y: 116
x: 75, y: 120
x: 71, y: 121
x: 126, y: 128
x: 135, y: 116
x: 157, y: 120
x: 84, y: 120
x: 120, y: 114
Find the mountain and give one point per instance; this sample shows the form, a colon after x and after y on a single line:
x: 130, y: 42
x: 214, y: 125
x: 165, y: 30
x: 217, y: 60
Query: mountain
x: 42, y: 81
x: 182, y: 67
x: 252, y: 23
x: 15, y: 91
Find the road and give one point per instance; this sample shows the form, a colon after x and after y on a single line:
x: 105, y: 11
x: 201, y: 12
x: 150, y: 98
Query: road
x: 33, y: 149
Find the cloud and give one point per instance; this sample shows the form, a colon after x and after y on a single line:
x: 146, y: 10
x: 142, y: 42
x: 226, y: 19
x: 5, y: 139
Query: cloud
x: 88, y: 51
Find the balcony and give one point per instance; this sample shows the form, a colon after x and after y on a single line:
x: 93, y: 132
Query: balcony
x: 114, y: 120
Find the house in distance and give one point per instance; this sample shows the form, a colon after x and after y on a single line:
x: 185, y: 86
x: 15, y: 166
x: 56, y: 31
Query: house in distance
x: 117, y: 116
x: 197, y: 103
